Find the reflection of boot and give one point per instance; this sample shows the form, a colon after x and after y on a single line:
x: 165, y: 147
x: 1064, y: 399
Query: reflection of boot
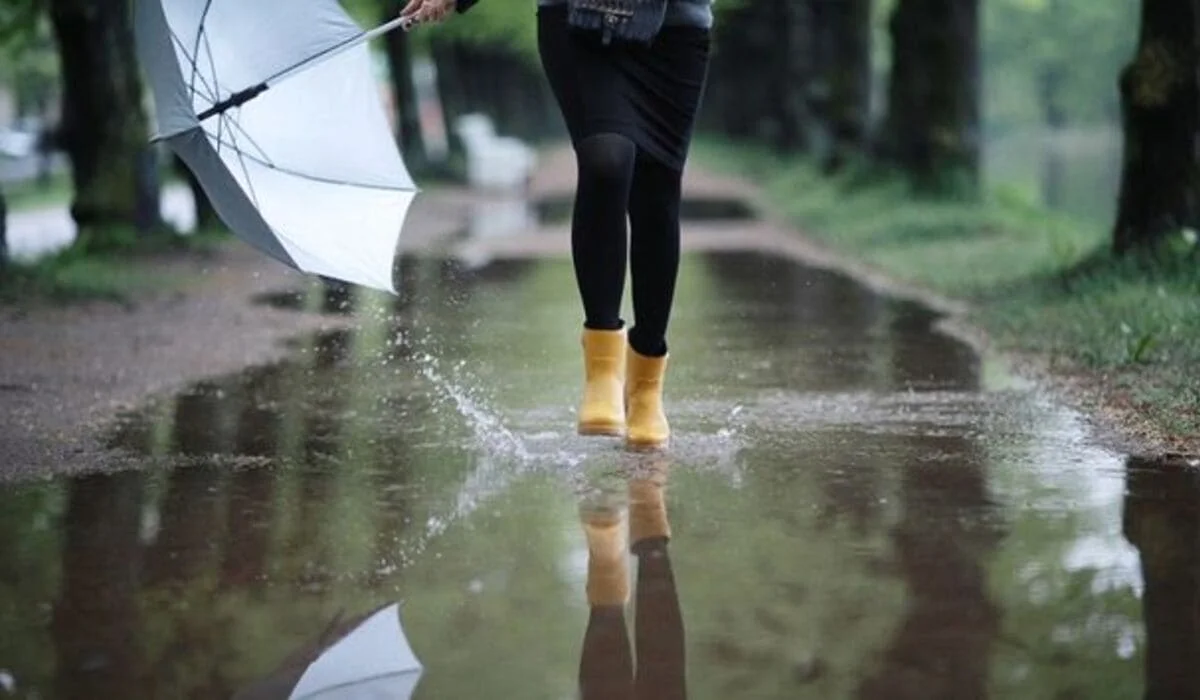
x: 603, y: 411
x: 647, y: 509
x: 647, y: 423
x: 608, y: 565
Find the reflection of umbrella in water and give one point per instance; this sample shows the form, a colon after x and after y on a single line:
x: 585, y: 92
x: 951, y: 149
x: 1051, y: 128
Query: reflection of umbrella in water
x: 274, y: 107
x: 368, y: 657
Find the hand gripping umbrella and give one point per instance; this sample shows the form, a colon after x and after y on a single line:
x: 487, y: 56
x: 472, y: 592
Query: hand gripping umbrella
x: 273, y: 106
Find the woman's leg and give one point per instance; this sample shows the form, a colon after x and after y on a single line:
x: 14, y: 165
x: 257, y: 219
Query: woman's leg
x: 654, y: 261
x: 654, y: 254
x: 598, y: 247
x: 598, y: 230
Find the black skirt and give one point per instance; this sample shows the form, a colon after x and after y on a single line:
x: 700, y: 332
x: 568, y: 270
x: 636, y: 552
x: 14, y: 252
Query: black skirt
x: 647, y: 93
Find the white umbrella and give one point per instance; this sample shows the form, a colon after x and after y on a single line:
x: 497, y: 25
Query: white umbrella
x: 274, y: 107
x: 372, y: 661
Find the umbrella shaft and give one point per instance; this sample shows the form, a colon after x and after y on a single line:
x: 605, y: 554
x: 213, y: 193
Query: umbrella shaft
x: 237, y: 99
x: 241, y: 97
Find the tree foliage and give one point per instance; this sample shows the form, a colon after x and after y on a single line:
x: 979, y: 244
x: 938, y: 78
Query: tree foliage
x: 1056, y: 60
x: 28, y: 61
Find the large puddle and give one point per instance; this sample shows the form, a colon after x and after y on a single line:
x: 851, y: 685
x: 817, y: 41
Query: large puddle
x: 856, y: 508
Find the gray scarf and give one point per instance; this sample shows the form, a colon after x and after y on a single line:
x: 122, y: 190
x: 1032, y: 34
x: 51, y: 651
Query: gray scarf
x: 624, y: 20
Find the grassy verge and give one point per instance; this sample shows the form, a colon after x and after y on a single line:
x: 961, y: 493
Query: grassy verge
x: 32, y: 194
x: 56, y: 191
x: 120, y: 276
x: 1041, y: 283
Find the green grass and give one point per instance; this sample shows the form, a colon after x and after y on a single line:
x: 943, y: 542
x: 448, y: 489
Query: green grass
x: 56, y: 191
x: 1040, y: 282
x: 73, y: 275
x: 74, y: 279
x: 22, y: 196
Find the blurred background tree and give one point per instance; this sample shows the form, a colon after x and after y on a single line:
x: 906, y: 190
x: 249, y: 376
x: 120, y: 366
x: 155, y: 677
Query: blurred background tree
x: 1160, y: 88
x: 28, y: 68
x: 104, y: 128
x: 957, y: 97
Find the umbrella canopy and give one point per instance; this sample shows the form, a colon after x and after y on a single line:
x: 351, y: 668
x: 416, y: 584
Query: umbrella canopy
x: 275, y: 108
x: 370, y: 658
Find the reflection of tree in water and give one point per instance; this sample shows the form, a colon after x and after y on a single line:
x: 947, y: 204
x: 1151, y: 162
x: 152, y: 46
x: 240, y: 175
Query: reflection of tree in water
x: 1162, y: 520
x: 922, y: 357
x: 97, y: 628
x: 189, y: 510
x: 251, y: 493
x: 942, y: 648
x: 794, y: 299
x: 171, y: 617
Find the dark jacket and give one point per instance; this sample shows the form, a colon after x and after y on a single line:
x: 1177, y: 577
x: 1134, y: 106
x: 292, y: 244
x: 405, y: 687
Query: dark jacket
x: 697, y: 13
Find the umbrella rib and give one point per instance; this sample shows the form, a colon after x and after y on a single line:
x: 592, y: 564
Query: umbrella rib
x: 216, y: 90
x: 210, y: 95
x: 242, y: 162
x: 200, y: 33
x: 265, y: 158
x: 307, y: 176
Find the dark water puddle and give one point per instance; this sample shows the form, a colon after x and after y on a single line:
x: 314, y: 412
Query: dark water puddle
x: 557, y: 209
x: 854, y: 507
x: 412, y: 273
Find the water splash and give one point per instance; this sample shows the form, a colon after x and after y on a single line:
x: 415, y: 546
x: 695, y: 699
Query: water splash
x: 506, y: 455
x: 490, y: 435
x: 489, y: 432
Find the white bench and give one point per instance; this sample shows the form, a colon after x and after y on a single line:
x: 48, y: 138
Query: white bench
x: 494, y: 162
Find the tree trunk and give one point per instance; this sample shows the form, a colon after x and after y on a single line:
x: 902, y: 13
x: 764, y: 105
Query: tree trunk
x: 848, y: 77
x: 932, y: 128
x: 450, y: 91
x: 789, y: 73
x: 748, y: 74
x: 3, y: 233
x: 1050, y: 81
x: 819, y: 57
x: 104, y: 125
x: 1160, y: 102
x: 408, y: 113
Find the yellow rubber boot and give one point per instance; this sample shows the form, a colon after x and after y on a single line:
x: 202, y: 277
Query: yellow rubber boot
x: 603, y: 410
x: 608, y: 563
x: 646, y: 422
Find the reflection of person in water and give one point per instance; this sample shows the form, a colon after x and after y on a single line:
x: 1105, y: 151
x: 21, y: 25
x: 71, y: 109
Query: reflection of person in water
x: 607, y: 669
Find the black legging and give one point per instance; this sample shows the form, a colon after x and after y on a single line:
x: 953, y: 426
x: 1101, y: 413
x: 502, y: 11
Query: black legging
x: 615, y: 179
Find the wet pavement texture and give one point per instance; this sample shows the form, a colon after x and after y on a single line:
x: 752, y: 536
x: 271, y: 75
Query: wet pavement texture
x: 854, y: 506
x: 709, y: 208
